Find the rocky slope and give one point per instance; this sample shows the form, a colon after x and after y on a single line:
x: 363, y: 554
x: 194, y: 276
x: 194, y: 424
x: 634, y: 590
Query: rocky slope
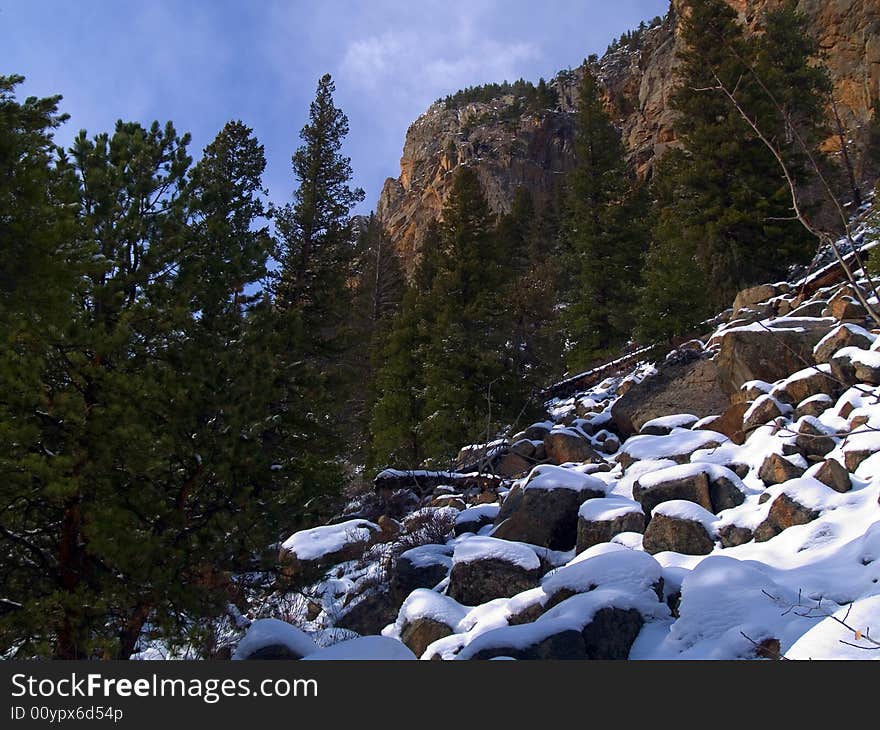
x: 532, y: 150
x: 720, y: 503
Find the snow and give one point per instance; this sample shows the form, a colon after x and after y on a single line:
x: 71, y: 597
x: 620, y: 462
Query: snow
x: 831, y: 639
x: 627, y: 569
x: 363, y: 648
x: 682, y: 509
x: 425, y: 556
x: 854, y: 328
x: 713, y: 472
x: 548, y: 476
x: 680, y: 420
x: 678, y: 443
x: 424, y: 603
x: 856, y: 355
x: 607, y: 509
x: 490, y: 548
x: 478, y: 514
x: 266, y: 632
x: 781, y: 324
x: 319, y: 541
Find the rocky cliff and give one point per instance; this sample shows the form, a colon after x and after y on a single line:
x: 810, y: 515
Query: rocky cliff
x: 510, y: 149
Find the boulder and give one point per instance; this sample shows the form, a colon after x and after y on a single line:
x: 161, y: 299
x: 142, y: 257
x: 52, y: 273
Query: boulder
x: 308, y: 552
x: 814, y: 406
x: 422, y: 632
x: 679, y: 526
x: 734, y: 535
x: 271, y: 638
x: 714, y: 488
x: 537, y: 431
x: 665, y: 424
x: 473, y: 519
x: 845, y: 308
x: 421, y: 567
x: 784, y: 512
x: 369, y: 612
x: 565, y: 444
x: 854, y: 455
x: 768, y: 354
x: 599, y: 520
x: 690, y: 385
x: 777, y: 469
x: 523, y: 448
x: 814, y: 439
x: 807, y: 383
x: 754, y: 295
x: 846, y: 335
x: 511, y: 465
x: 546, y: 514
x: 832, y: 474
x: 852, y: 365
x: 484, y: 568
x: 609, y: 634
x: 730, y: 423
x: 765, y: 409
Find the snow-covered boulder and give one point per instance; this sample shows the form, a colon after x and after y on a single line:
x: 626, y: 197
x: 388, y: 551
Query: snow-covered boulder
x: 768, y: 350
x: 321, y: 547
x: 776, y: 469
x: 546, y: 509
x: 713, y: 487
x: 475, y: 518
x: 364, y: 648
x: 846, y: 335
x: 271, y: 638
x: 599, y: 520
x: 677, y: 445
x: 687, y: 383
x: 426, y: 617
x: 484, y: 568
x: 565, y: 445
x: 421, y: 567
x: 797, y: 502
x: 680, y: 526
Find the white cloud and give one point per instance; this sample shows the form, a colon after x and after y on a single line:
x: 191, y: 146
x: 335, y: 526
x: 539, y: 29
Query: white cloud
x: 424, y: 65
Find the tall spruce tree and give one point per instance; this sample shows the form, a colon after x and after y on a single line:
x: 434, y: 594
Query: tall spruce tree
x: 396, y: 432
x: 727, y: 208
x: 604, y: 232
x: 466, y: 363
x: 312, y: 290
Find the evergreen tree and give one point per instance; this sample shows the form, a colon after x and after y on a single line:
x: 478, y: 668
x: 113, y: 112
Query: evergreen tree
x: 604, y: 234
x: 396, y: 433
x: 466, y: 358
x: 151, y: 450
x: 316, y: 251
x: 728, y: 209
x: 313, y: 292
x: 379, y: 288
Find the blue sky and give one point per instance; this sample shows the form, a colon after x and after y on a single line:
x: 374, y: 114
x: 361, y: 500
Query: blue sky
x: 201, y: 63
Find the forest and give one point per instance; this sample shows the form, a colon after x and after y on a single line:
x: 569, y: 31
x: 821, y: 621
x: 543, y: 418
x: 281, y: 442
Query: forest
x: 191, y: 373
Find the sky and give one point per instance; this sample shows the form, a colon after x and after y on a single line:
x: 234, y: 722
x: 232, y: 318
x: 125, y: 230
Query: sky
x: 201, y: 63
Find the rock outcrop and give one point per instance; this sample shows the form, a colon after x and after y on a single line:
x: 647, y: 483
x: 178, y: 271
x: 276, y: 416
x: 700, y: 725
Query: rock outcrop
x: 511, y: 148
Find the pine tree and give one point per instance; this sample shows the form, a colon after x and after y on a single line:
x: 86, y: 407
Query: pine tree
x: 466, y: 358
x: 316, y: 250
x: 397, y: 414
x: 728, y: 206
x: 379, y: 288
x: 312, y: 290
x: 604, y: 234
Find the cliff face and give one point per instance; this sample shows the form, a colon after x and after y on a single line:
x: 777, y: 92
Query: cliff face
x: 510, y: 149
x: 507, y: 149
